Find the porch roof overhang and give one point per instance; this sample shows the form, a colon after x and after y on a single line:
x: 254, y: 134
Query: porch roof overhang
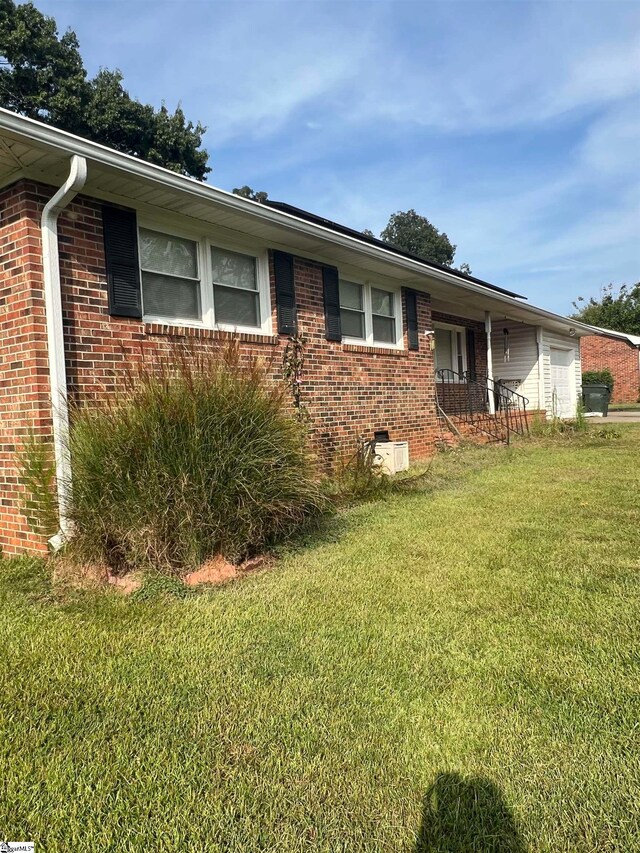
x: 34, y: 150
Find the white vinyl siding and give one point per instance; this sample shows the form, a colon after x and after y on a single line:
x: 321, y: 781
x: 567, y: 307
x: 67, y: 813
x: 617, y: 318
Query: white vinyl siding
x: 520, y: 373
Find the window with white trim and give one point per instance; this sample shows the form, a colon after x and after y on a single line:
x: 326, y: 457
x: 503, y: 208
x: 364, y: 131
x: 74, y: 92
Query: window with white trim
x: 383, y: 317
x: 352, y: 314
x: 451, y: 348
x: 370, y: 314
x: 170, y: 276
x: 191, y: 281
x: 235, y: 288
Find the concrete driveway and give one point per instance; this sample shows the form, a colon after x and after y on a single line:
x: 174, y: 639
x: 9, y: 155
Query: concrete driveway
x: 622, y: 418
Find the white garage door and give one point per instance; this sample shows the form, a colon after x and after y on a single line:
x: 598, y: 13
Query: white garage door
x: 562, y: 382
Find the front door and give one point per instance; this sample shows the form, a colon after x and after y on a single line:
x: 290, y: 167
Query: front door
x: 562, y: 383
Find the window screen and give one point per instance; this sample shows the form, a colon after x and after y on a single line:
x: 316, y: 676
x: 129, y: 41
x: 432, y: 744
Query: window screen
x: 383, y: 316
x: 352, y: 310
x: 444, y: 350
x: 170, y: 278
x: 450, y: 350
x: 235, y: 288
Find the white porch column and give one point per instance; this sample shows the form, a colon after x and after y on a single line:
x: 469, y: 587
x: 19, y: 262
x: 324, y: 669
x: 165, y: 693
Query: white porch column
x: 487, y: 328
x: 542, y: 403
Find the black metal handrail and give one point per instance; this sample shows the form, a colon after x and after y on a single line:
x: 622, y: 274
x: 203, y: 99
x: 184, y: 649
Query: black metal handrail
x: 467, y: 396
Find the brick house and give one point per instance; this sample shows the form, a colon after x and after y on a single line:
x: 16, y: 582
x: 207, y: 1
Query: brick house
x: 619, y: 353
x: 106, y: 259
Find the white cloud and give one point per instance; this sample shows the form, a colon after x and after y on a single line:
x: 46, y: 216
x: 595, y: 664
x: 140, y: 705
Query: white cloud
x: 606, y: 72
x: 612, y: 144
x: 249, y: 69
x: 359, y: 109
x: 560, y: 226
x: 552, y: 234
x: 522, y: 74
x: 267, y: 61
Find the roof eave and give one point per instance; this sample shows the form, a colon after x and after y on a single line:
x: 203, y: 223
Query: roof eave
x: 69, y: 144
x: 632, y: 340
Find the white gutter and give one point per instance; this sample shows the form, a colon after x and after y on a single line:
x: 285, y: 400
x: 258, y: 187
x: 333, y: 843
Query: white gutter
x: 67, y: 143
x: 55, y: 337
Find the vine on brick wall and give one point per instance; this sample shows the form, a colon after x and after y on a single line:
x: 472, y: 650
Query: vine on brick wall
x: 292, y: 367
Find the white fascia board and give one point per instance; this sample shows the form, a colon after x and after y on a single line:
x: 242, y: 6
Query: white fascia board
x: 634, y: 340
x: 68, y: 143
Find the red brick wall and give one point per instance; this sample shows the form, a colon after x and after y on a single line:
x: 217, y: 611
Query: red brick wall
x: 24, y: 380
x: 348, y: 390
x: 622, y: 359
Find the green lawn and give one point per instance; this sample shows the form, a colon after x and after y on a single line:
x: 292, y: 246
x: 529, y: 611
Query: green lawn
x: 455, y: 671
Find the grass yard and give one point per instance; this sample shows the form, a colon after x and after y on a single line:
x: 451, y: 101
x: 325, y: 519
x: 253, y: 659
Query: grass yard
x: 454, y: 671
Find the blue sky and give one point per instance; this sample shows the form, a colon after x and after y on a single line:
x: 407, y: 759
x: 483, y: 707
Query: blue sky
x: 513, y: 126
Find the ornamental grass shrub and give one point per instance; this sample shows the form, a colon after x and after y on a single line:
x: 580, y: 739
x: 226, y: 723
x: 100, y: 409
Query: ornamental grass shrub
x: 199, y: 454
x: 38, y: 476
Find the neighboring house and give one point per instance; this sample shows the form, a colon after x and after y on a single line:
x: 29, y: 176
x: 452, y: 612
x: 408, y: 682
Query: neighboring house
x: 106, y: 259
x: 619, y: 353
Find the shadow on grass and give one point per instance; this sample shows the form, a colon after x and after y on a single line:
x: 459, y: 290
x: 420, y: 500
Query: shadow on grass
x: 467, y: 816
x: 319, y: 531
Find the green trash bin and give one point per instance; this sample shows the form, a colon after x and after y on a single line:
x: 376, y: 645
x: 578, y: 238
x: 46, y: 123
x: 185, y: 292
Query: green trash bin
x: 596, y: 398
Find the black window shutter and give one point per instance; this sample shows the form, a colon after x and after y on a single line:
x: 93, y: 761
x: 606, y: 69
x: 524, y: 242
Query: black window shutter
x: 121, y: 255
x: 285, y: 293
x: 411, y: 302
x: 331, y: 287
x: 471, y: 354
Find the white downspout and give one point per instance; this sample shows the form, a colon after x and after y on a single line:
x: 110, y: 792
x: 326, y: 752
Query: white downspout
x: 55, y: 337
x: 487, y: 328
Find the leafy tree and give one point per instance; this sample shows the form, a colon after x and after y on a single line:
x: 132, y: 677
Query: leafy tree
x: 617, y: 309
x: 247, y: 192
x: 414, y: 233
x: 42, y: 76
x: 417, y: 235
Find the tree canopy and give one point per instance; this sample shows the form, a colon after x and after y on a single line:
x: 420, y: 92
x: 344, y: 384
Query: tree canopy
x: 617, y: 309
x: 42, y: 76
x: 414, y: 233
x: 247, y: 192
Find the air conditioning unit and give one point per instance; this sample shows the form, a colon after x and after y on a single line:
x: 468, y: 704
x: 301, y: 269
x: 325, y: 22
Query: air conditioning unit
x: 392, y: 456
